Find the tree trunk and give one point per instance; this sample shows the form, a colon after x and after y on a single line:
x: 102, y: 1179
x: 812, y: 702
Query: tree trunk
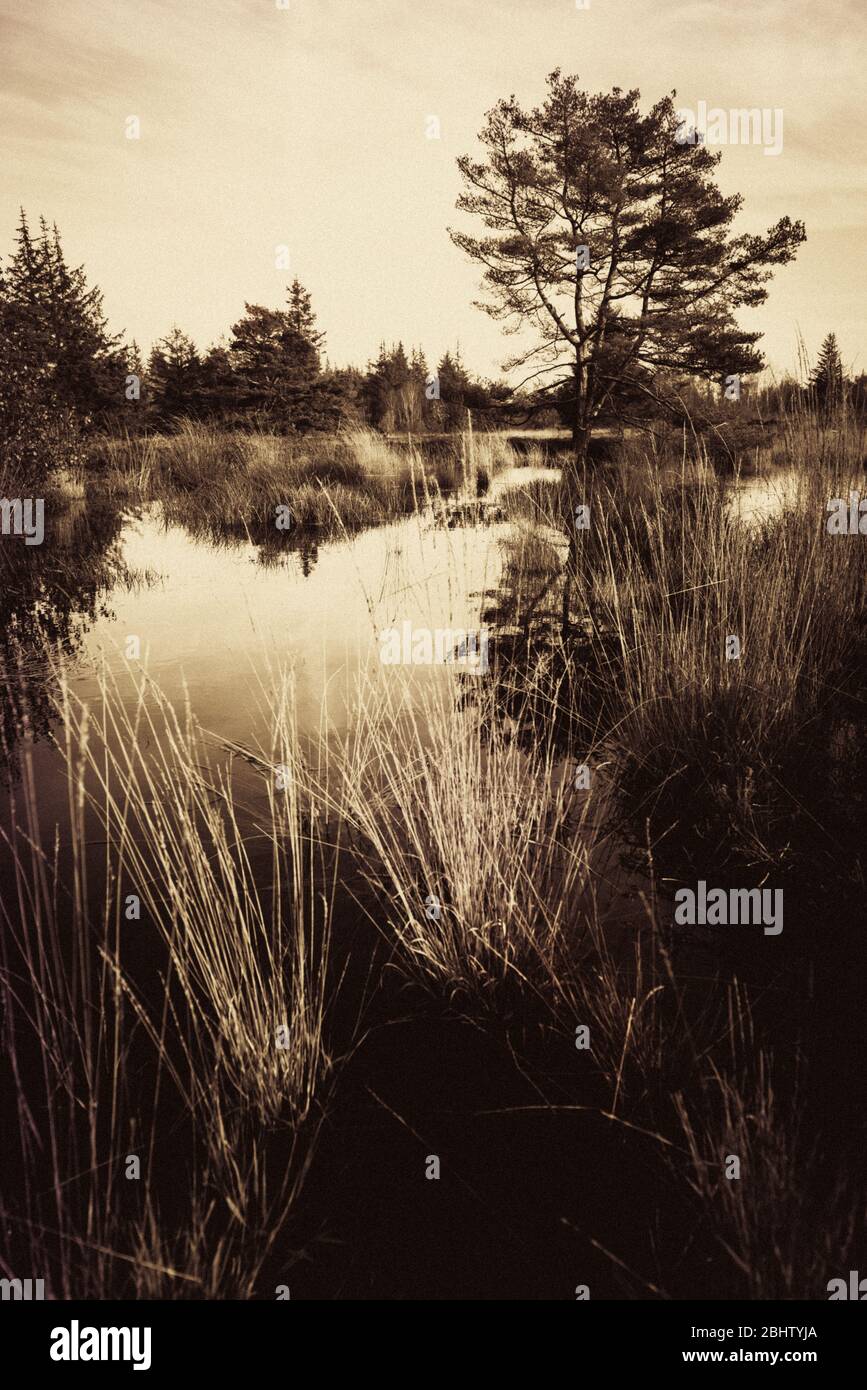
x: 572, y: 490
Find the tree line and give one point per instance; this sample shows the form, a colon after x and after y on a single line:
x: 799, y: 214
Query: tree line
x: 64, y: 374
x: 270, y: 372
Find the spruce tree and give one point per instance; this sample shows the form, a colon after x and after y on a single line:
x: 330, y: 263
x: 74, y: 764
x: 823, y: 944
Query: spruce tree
x: 27, y: 407
x: 174, y: 377
x: 67, y: 327
x: 276, y: 355
x: 219, y: 384
x: 827, y: 380
x: 301, y: 320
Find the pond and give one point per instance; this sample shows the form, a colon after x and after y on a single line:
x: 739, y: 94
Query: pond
x: 212, y: 624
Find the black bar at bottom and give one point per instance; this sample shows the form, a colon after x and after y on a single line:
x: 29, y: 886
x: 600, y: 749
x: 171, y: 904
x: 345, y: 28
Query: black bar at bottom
x: 168, y: 1340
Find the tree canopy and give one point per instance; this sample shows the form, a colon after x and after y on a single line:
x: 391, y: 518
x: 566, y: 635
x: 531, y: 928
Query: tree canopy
x: 608, y: 239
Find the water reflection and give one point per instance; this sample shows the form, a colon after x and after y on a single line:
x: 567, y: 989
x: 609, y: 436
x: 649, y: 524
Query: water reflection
x: 216, y: 617
x: 52, y: 594
x: 215, y: 623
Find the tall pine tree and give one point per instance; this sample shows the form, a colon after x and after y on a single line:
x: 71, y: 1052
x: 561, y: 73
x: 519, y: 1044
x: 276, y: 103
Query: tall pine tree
x: 605, y: 237
x: 276, y: 355
x: 67, y: 327
x: 827, y: 381
x: 174, y: 378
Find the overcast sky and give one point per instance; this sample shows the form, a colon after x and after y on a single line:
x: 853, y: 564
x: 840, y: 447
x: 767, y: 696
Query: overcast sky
x: 306, y: 127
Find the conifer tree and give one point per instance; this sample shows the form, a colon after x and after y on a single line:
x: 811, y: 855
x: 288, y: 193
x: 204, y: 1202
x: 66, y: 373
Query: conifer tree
x: 174, y: 377
x: 301, y: 319
x: 827, y: 380
x: 276, y: 355
x: 609, y: 245
x: 26, y: 402
x: 67, y: 328
x: 219, y: 387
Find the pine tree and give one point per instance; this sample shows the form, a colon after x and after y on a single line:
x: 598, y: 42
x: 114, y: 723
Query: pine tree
x: 418, y: 366
x: 219, y: 394
x: 51, y: 357
x: 396, y: 391
x: 376, y: 388
x: 301, y: 319
x: 276, y: 356
x: 26, y: 402
x: 454, y: 389
x: 136, y: 408
x: 453, y: 379
x: 398, y: 367
x: 827, y: 381
x: 423, y: 416
x: 66, y: 324
x: 174, y: 377
x: 605, y: 237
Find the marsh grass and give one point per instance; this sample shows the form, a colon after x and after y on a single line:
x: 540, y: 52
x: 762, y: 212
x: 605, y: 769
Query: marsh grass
x: 791, y: 1219
x: 484, y: 873
x: 212, y: 479
x: 204, y: 1019
x: 668, y: 570
x: 477, y: 851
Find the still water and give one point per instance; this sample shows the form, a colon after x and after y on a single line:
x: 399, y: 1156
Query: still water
x: 216, y: 623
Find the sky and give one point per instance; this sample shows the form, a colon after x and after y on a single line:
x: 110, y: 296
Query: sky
x: 305, y: 124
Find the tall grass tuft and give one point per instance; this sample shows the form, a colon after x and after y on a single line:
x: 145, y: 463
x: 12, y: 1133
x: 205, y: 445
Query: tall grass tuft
x: 476, y: 849
x: 197, y: 1027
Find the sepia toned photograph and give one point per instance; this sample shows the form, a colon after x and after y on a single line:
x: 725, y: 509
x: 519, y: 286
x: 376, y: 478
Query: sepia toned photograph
x: 433, y: 648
